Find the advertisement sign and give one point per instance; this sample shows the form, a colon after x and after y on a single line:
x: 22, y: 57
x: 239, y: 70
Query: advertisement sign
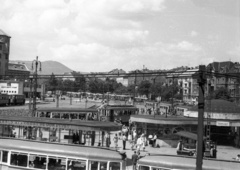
x: 221, y: 123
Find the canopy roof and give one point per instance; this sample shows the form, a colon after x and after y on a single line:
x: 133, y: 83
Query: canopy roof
x: 218, y: 106
x: 187, y: 134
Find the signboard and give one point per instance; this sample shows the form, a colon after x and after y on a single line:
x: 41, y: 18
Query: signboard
x: 218, y: 123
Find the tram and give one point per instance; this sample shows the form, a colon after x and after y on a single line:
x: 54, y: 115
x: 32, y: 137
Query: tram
x: 12, y: 99
x: 117, y: 113
x: 68, y: 113
x: 172, y: 162
x: 21, y: 154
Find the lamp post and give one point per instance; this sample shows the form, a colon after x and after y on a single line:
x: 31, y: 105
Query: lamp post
x: 35, y: 64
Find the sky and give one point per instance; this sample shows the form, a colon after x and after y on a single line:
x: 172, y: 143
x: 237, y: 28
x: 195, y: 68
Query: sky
x: 102, y: 35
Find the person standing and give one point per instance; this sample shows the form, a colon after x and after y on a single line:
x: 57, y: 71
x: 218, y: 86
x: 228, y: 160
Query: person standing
x: 124, y: 139
x: 134, y: 160
x: 154, y: 140
x: 107, y: 138
x: 115, y: 140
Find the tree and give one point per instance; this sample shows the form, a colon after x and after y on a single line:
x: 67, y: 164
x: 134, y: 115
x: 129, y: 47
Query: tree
x: 156, y: 89
x: 144, y: 88
x: 52, y: 83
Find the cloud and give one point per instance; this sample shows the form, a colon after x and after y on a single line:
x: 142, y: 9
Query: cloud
x: 193, y: 34
x: 235, y: 51
x: 185, y: 46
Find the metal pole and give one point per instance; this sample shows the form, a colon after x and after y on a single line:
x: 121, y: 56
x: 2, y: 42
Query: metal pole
x: 134, y: 95
x: 201, y: 82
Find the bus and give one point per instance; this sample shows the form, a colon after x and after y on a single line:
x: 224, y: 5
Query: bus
x: 21, y: 154
x: 172, y: 162
x: 68, y: 113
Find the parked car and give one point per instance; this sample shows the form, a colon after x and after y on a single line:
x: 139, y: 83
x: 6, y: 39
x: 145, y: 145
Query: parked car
x: 49, y: 99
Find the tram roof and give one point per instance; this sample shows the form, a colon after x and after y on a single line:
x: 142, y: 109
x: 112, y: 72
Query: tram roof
x: 60, y: 149
x: 179, y: 120
x: 181, y: 162
x: 65, y: 109
x: 121, y: 107
x: 60, y: 123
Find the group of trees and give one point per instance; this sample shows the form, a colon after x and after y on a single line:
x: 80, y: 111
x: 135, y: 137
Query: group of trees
x: 96, y: 85
x: 145, y: 88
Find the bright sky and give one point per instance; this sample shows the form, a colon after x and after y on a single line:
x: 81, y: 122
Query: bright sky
x: 101, y: 35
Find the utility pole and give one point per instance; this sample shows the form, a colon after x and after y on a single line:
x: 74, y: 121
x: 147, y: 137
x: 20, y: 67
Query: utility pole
x: 134, y: 95
x: 30, y: 94
x: 201, y: 81
x: 35, y: 64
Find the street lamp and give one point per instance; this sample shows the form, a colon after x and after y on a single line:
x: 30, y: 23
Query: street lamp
x: 35, y: 64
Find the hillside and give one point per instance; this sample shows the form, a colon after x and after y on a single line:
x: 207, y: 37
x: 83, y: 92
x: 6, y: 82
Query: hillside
x: 48, y: 67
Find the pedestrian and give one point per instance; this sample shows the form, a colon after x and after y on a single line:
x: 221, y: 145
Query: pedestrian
x: 154, y: 140
x: 124, y: 139
x: 115, y: 140
x: 134, y: 160
x: 107, y: 138
x: 143, y: 141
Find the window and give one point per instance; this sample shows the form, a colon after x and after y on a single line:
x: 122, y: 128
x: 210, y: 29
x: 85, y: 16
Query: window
x: 55, y: 163
x: 0, y: 48
x: 37, y: 161
x: 114, y: 166
x: 93, y: 165
x: 6, y: 56
x: 5, y: 156
x: 76, y: 164
x: 0, y: 54
x: 153, y: 168
x: 19, y: 159
x: 144, y: 167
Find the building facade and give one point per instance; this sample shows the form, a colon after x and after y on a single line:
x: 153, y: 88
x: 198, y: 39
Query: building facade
x: 4, y: 53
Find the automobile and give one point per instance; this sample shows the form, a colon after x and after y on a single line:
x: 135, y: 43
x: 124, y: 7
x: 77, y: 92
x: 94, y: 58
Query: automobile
x: 49, y: 99
x: 62, y: 98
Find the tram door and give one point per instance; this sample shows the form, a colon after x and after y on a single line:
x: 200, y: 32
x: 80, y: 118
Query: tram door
x: 111, y: 116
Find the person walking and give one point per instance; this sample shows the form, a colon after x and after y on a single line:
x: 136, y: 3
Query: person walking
x: 107, y: 138
x: 134, y: 160
x: 124, y: 139
x: 115, y: 140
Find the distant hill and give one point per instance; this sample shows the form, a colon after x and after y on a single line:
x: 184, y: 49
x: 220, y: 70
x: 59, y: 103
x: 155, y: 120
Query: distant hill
x: 48, y: 67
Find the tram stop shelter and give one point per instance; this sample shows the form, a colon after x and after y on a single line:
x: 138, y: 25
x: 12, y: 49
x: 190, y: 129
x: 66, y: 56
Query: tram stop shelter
x: 57, y: 130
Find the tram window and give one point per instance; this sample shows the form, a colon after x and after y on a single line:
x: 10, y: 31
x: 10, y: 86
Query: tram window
x: 5, y: 156
x: 144, y: 168
x: 103, y: 165
x: 153, y: 168
x: 56, y: 163
x: 19, y: 159
x: 37, y: 161
x: 93, y: 165
x: 76, y: 164
x: 114, y: 166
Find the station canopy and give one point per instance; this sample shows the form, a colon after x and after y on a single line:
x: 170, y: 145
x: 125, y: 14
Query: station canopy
x: 218, y: 106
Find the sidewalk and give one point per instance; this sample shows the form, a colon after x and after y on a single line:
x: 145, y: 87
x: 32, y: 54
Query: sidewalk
x: 223, y: 152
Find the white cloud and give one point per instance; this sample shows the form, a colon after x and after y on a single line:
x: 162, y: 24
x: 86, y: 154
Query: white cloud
x: 185, y: 46
x: 235, y: 51
x: 193, y: 34
x: 100, y: 35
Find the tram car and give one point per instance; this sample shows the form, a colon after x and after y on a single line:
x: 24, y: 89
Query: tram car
x: 173, y: 162
x: 4, y: 99
x: 12, y: 99
x: 19, y: 154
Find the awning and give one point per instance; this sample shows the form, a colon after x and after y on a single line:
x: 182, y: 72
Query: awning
x: 187, y: 134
